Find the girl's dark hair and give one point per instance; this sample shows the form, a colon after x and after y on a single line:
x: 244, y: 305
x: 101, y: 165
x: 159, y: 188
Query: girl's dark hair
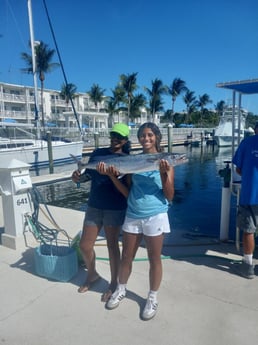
x: 155, y: 129
x: 126, y: 148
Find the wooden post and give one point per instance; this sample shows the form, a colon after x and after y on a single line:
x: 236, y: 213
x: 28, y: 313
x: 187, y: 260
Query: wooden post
x: 50, y: 153
x: 170, y: 137
x: 96, y: 138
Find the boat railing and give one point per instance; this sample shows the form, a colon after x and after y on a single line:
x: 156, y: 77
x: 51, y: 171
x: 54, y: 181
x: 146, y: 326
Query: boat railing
x: 13, y: 132
x: 26, y: 132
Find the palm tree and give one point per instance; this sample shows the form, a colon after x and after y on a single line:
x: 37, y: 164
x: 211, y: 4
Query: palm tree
x: 114, y: 104
x: 155, y: 93
x: 128, y: 83
x: 202, y: 102
x: 193, y: 107
x: 44, y: 55
x: 220, y: 107
x: 138, y: 101
x: 177, y: 87
x: 96, y: 94
x: 189, y: 100
x: 119, y: 95
x: 120, y: 98
x: 68, y: 92
x: 111, y: 109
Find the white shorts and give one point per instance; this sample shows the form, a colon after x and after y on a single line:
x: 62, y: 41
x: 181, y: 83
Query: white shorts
x: 150, y: 226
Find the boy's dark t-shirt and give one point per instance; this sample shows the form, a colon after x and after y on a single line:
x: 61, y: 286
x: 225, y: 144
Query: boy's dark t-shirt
x: 103, y: 194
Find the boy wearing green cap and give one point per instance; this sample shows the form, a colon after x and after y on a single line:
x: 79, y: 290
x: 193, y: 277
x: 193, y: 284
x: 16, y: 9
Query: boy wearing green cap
x: 106, y: 208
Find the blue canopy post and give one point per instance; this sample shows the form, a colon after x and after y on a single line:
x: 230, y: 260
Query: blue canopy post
x: 248, y: 87
x: 242, y: 87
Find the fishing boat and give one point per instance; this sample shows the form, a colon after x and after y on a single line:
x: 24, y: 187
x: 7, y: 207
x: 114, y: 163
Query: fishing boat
x: 36, y: 151
x: 223, y: 135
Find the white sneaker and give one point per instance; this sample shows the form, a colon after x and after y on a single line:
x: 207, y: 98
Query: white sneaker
x: 150, y: 309
x: 115, y: 299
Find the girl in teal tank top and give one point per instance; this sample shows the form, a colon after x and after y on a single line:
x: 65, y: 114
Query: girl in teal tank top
x: 148, y: 195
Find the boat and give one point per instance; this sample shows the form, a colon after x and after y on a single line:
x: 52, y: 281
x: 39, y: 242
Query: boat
x: 33, y: 149
x: 35, y: 152
x: 223, y: 133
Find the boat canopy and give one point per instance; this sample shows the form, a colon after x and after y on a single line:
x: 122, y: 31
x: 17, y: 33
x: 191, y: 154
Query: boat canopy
x: 249, y: 86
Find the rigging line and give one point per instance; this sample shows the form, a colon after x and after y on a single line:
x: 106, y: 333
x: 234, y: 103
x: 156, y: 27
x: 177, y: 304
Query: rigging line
x: 62, y: 67
x: 8, y: 6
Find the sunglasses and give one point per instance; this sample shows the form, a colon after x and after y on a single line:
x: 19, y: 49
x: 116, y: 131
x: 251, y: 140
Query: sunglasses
x: 116, y: 136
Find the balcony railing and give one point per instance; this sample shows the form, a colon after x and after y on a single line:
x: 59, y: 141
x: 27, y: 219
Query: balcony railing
x: 17, y: 115
x: 18, y: 98
x: 58, y: 102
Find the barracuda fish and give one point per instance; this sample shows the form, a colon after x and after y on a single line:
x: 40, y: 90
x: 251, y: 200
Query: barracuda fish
x: 129, y: 164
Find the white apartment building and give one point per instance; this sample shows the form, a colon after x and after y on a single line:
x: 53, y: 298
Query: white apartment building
x: 17, y: 105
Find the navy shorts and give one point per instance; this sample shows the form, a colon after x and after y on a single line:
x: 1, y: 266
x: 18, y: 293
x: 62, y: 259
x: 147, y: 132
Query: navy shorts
x: 97, y: 217
x: 247, y: 218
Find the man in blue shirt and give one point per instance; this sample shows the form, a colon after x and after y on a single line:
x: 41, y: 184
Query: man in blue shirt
x: 246, y: 162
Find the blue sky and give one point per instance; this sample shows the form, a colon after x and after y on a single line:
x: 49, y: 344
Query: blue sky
x: 203, y: 42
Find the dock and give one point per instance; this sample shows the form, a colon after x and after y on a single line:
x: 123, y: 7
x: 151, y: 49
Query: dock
x: 51, y: 178
x: 201, y: 300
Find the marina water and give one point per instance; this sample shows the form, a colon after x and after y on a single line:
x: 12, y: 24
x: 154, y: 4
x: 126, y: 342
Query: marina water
x: 196, y: 206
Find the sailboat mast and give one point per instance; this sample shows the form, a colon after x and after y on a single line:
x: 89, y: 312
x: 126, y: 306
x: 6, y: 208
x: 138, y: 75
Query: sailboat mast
x: 34, y: 69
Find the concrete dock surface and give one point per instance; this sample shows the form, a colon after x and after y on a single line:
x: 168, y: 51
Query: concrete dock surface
x: 201, y: 300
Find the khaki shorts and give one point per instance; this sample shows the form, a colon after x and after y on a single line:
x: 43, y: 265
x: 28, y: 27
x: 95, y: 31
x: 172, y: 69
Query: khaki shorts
x: 150, y: 226
x: 247, y: 218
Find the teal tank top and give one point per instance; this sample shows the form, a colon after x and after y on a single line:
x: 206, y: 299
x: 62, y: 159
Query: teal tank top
x: 146, y: 196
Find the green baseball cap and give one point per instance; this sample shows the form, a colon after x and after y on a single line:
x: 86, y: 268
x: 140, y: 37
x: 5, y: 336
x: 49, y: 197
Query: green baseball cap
x: 121, y: 128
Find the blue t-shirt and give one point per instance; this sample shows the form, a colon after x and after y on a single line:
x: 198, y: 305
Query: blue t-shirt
x: 246, y: 159
x: 103, y: 194
x: 146, y: 197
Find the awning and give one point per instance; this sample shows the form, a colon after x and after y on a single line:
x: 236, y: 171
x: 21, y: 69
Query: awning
x: 51, y: 124
x: 131, y: 124
x: 243, y: 86
x: 9, y: 120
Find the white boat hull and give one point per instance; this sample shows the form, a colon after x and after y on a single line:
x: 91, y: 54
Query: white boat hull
x: 225, y: 141
x: 223, y: 133
x: 37, y: 155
